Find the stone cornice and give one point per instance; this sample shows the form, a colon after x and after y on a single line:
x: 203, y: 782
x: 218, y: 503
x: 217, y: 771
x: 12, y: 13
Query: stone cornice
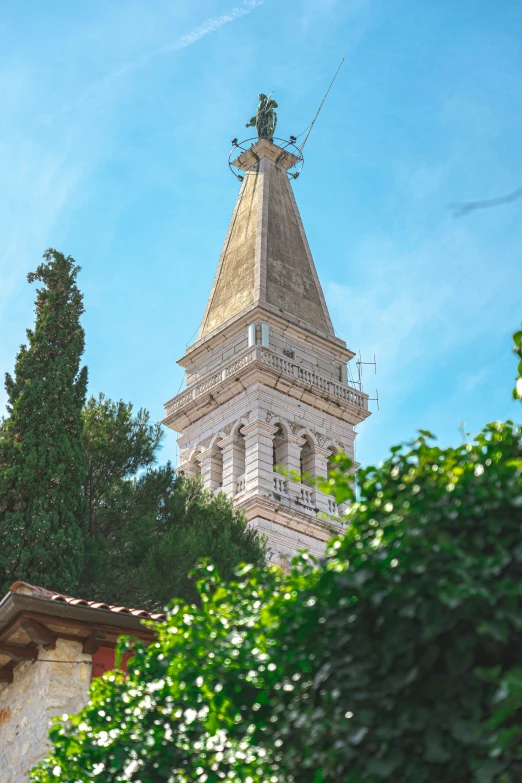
x: 260, y: 365
x: 294, y: 440
x: 224, y: 443
x: 322, y: 452
x: 264, y: 149
x: 272, y: 510
x: 256, y: 427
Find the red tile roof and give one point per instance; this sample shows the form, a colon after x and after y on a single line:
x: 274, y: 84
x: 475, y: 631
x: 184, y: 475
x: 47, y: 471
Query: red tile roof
x: 52, y: 595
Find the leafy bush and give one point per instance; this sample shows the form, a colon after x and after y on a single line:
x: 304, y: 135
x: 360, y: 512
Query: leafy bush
x: 395, y: 658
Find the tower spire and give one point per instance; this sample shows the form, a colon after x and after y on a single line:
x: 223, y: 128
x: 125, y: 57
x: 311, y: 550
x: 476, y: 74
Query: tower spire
x: 267, y: 377
x: 266, y: 260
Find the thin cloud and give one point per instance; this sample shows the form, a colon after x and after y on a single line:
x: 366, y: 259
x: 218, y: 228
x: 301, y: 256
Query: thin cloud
x: 209, y: 27
x: 193, y: 36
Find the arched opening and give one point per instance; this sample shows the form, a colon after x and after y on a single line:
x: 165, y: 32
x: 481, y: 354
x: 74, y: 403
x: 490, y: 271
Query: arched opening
x: 238, y: 463
x: 332, y: 505
x: 279, y: 459
x: 307, y: 461
x: 279, y: 448
x: 216, y: 468
x: 331, y: 460
x: 307, y: 471
x: 193, y: 469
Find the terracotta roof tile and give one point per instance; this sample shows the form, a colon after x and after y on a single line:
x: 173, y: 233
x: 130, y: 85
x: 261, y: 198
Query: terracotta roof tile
x: 52, y: 595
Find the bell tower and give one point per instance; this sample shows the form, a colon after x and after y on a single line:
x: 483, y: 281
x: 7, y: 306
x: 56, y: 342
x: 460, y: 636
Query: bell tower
x: 267, y: 377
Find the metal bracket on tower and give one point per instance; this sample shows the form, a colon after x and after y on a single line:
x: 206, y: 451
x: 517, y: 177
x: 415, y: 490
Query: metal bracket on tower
x: 375, y: 399
x: 360, y: 365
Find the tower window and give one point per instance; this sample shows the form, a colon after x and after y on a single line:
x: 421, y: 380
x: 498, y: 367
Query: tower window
x: 194, y: 468
x: 307, y: 461
x: 265, y: 335
x: 331, y: 463
x: 239, y: 463
x: 251, y: 330
x: 278, y: 448
x: 216, y: 473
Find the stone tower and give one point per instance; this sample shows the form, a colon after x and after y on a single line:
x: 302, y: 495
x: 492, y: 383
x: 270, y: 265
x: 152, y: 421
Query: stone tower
x: 267, y: 377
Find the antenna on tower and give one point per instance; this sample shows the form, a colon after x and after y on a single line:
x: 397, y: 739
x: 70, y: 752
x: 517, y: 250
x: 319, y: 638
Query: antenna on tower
x: 351, y: 378
x: 360, y: 364
x: 320, y: 107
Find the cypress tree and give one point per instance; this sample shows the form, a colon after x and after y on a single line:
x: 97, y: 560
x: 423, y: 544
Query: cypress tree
x: 42, y: 502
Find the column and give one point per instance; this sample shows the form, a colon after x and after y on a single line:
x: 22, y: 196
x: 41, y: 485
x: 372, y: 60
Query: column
x: 323, y: 502
x: 190, y: 469
x: 231, y: 463
x: 291, y: 451
x: 207, y: 472
x: 259, y: 473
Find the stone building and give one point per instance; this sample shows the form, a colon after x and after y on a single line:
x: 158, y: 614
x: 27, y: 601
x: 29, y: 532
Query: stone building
x: 267, y: 376
x: 51, y: 647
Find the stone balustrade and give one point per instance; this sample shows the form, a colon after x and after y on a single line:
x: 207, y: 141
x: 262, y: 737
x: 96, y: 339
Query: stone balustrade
x: 347, y: 393
x: 279, y: 363
x: 307, y: 495
x: 280, y: 485
x: 332, y: 506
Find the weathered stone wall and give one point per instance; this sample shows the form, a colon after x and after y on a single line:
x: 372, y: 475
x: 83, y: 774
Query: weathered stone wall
x: 39, y: 692
x: 266, y: 256
x: 233, y: 287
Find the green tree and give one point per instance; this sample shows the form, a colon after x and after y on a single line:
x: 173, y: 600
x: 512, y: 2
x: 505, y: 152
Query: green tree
x: 396, y: 658
x: 149, y: 527
x: 42, y: 503
x: 116, y: 446
x: 517, y: 350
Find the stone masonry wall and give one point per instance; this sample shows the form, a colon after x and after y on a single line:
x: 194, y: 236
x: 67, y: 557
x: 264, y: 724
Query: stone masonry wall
x: 39, y: 692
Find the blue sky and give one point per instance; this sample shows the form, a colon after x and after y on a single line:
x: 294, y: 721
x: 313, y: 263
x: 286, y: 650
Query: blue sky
x: 116, y: 125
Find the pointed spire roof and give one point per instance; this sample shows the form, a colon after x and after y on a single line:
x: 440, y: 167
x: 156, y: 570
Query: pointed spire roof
x: 266, y: 259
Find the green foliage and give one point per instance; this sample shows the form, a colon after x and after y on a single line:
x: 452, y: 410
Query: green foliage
x: 83, y: 507
x: 148, y: 527
x: 42, y: 505
x: 191, y: 524
x: 517, y: 349
x: 164, y: 524
x: 116, y: 446
x: 396, y: 658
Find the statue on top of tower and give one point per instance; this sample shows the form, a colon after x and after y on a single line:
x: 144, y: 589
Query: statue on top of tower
x: 265, y: 120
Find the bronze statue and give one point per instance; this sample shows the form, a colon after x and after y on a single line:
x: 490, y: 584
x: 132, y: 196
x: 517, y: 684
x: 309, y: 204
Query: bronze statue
x: 266, y: 119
